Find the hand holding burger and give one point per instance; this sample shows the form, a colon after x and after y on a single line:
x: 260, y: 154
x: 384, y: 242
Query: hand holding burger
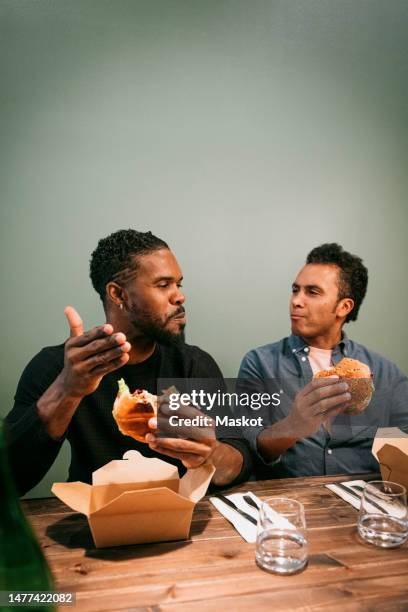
x: 136, y: 415
x: 359, y: 379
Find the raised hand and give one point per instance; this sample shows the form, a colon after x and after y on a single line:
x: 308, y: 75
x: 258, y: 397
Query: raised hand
x: 90, y: 355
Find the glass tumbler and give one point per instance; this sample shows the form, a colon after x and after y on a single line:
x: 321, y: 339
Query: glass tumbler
x: 383, y: 517
x: 281, y: 544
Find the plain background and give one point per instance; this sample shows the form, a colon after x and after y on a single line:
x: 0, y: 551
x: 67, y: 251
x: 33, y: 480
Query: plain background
x: 244, y: 133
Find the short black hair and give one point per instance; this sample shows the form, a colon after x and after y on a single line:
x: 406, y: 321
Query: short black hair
x: 353, y: 276
x: 115, y: 254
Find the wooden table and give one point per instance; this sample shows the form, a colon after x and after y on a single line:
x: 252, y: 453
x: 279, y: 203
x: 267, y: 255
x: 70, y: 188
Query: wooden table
x: 215, y: 569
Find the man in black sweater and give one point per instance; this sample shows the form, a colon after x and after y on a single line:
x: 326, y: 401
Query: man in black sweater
x: 67, y: 391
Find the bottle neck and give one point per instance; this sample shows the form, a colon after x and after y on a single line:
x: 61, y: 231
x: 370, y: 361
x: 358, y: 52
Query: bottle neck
x: 8, y: 489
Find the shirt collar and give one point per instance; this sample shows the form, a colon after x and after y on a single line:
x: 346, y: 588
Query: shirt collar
x: 297, y: 344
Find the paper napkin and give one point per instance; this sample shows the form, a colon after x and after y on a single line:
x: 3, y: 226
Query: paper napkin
x: 244, y: 527
x: 394, y: 508
x: 348, y: 498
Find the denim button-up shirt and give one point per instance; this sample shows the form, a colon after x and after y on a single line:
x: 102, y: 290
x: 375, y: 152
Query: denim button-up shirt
x: 345, y: 446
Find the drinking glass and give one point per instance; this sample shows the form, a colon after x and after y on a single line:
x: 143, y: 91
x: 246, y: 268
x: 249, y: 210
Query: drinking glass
x: 383, y: 516
x: 281, y: 544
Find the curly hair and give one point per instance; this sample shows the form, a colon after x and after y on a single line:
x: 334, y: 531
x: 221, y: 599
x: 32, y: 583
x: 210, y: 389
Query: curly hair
x: 353, y: 275
x: 114, y: 257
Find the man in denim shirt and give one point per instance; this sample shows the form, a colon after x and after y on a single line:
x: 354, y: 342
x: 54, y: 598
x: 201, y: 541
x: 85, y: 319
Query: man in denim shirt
x: 298, y: 437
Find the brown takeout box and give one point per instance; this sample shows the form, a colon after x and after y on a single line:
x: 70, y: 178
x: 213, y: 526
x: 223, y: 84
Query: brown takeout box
x: 136, y: 499
x: 390, y: 448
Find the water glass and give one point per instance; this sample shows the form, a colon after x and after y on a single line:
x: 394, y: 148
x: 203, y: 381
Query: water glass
x: 281, y: 544
x: 383, y: 517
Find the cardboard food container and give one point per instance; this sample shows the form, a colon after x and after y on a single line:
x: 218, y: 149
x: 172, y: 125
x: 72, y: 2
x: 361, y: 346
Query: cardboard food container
x: 136, y: 499
x: 390, y: 448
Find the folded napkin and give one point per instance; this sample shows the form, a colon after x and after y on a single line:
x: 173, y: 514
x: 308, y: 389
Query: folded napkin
x: 244, y: 527
x: 348, y: 498
x: 394, y: 508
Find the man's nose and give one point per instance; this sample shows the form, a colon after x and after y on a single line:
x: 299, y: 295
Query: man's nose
x: 297, y: 300
x: 178, y: 297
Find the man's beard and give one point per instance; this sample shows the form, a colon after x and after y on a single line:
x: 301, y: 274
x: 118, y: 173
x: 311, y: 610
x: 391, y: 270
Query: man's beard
x: 153, y: 328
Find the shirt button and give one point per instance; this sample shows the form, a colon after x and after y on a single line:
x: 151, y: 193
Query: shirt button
x: 329, y: 452
x: 303, y: 358
x: 306, y: 349
x: 293, y: 350
x: 345, y: 351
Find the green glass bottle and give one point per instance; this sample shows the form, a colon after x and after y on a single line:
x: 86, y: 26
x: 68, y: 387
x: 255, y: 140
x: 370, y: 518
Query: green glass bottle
x: 23, y: 567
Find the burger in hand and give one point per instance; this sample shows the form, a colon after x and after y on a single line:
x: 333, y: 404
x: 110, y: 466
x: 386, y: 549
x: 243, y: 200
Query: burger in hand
x: 359, y: 379
x: 132, y: 411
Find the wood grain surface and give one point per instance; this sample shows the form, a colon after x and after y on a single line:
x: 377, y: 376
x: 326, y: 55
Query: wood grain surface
x: 215, y: 569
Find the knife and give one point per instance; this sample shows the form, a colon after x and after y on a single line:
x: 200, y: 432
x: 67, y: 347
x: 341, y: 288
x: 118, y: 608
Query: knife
x: 231, y: 504
x: 359, y: 496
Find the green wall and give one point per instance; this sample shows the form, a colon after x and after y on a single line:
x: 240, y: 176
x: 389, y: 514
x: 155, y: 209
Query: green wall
x: 242, y: 132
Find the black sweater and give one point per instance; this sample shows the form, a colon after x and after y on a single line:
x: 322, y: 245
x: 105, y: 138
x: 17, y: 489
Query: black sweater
x: 93, y: 433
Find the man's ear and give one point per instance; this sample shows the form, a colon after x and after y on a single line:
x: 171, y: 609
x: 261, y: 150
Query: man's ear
x: 344, y: 307
x: 116, y: 294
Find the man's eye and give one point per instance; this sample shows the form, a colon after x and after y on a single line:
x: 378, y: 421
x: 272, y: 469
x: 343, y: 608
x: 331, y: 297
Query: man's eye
x: 179, y: 285
x: 294, y: 290
x: 163, y: 285
x: 314, y: 292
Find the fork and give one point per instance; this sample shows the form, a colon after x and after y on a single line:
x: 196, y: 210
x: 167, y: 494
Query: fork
x: 251, y: 502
